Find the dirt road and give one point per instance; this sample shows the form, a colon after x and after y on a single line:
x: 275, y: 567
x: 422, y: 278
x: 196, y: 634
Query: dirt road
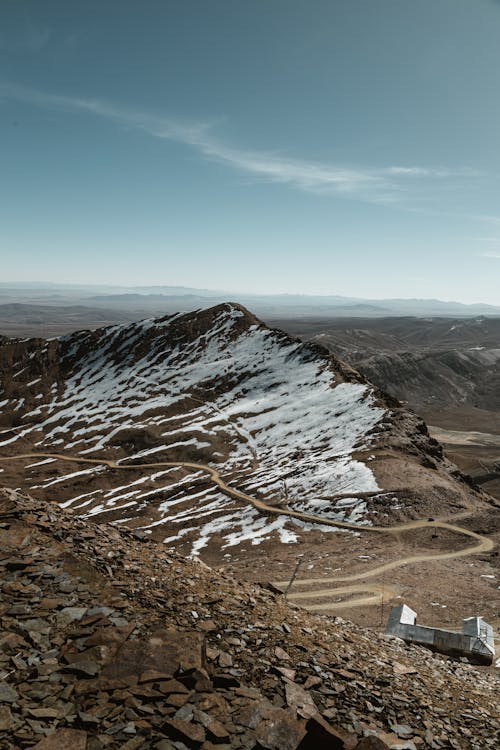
x: 372, y: 593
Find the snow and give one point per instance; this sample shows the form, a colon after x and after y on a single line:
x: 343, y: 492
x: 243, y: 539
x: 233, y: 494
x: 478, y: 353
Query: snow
x: 73, y: 500
x: 42, y: 463
x: 66, y: 477
x: 285, y: 423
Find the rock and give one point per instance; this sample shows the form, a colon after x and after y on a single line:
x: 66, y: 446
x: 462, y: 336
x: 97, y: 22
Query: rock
x: 402, y: 730
x: 37, y: 625
x: 169, y: 652
x: 171, y: 686
x: 177, y: 699
x: 322, y: 736
x: 197, y: 679
x: 371, y: 743
x: 45, y: 713
x: 19, y: 610
x: 275, y: 728
x: 279, y: 730
x: 70, y: 614
x: 133, y: 743
x: 7, y: 694
x: 111, y: 637
x: 88, y: 719
x: 401, y: 669
x: 289, y: 674
x: 281, y: 654
x: 63, y: 739
x: 217, y: 731
x: 225, y: 659
x: 312, y: 682
x: 6, y: 719
x: 83, y: 668
x: 300, y: 700
x: 153, y: 675
x: 224, y: 680
x: 191, y: 734
x: 208, y: 626
x: 185, y: 713
x: 17, y: 563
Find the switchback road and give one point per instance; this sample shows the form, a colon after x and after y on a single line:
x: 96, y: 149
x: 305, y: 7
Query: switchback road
x: 343, y: 585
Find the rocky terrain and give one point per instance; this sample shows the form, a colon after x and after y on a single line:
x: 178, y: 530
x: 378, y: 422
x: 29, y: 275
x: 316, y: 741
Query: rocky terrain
x: 109, y: 640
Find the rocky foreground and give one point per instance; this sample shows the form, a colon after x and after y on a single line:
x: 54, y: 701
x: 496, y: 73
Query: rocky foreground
x: 108, y: 641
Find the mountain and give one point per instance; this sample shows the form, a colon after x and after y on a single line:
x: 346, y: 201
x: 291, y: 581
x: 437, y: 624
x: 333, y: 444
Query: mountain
x: 135, y: 303
x: 281, y: 421
x: 229, y: 441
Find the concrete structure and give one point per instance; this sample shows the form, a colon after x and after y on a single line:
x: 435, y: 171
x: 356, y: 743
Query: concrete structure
x: 475, y: 641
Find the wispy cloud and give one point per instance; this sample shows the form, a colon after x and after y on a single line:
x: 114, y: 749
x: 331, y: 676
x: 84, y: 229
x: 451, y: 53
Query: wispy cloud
x: 496, y: 256
x: 433, y: 172
x: 383, y: 185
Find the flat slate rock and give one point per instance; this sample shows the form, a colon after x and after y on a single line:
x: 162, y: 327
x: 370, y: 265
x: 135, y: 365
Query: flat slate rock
x: 7, y: 694
x: 63, y: 739
x: 167, y: 652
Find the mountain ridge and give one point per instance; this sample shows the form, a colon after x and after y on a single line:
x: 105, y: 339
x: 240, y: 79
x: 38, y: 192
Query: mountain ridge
x: 282, y: 419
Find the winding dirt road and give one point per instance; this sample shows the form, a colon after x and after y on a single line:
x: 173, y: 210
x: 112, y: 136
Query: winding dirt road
x: 373, y: 593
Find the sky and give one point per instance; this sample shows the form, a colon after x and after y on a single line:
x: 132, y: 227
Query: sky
x: 346, y: 147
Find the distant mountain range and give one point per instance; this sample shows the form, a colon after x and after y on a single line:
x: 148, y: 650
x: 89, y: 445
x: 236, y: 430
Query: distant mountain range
x: 158, y: 300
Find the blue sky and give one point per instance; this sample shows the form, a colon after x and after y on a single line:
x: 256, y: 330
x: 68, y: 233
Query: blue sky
x: 315, y: 146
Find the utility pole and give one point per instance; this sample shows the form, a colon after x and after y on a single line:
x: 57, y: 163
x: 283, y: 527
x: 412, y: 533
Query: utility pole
x: 382, y: 605
x: 294, y: 574
x: 285, y: 491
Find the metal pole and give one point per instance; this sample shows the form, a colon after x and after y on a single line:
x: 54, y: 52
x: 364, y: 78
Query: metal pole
x: 294, y: 574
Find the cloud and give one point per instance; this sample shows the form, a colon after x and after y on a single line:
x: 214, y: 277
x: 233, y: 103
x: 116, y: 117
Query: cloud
x: 496, y: 256
x: 305, y: 175
x: 433, y: 172
x: 382, y: 186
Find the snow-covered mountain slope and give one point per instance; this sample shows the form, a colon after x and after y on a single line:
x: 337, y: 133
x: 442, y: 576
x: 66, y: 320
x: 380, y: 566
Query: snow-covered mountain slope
x: 281, y: 420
